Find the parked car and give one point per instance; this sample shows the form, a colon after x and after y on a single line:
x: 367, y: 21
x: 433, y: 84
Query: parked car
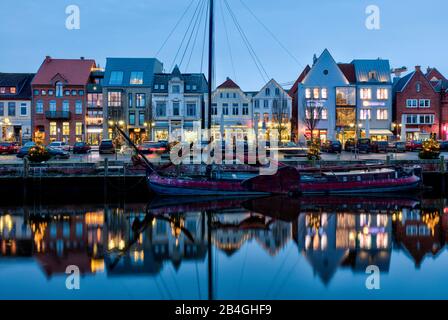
x: 413, y: 145
x: 54, y: 153
x: 443, y: 146
x: 397, y: 146
x: 363, y: 145
x: 107, y: 146
x: 9, y: 147
x: 379, y: 146
x: 25, y: 149
x: 81, y: 147
x: 57, y: 153
x: 60, y: 145
x: 332, y: 146
x: 152, y: 147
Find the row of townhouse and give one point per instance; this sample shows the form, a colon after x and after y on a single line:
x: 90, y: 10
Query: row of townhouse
x: 361, y: 99
x: 75, y: 100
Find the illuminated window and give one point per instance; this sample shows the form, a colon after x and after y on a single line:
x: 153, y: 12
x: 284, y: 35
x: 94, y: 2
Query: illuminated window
x: 382, y: 114
x: 12, y: 90
x: 324, y: 114
x: 316, y: 93
x: 382, y: 94
x: 345, y: 96
x: 136, y: 77
x: 365, y: 114
x: 53, y: 129
x: 78, y: 128
x: 366, y: 93
x: 114, y: 99
x: 65, y: 128
x: 308, y: 93
x: 323, y: 93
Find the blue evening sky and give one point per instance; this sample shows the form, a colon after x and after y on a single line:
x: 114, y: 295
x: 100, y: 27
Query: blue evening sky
x: 412, y: 32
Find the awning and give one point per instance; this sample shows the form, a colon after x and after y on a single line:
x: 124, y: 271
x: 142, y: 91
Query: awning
x: 380, y: 132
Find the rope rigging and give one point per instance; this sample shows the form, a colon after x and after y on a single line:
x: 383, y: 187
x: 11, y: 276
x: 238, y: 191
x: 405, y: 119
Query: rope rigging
x: 246, y: 41
x: 186, y: 34
x: 174, y: 28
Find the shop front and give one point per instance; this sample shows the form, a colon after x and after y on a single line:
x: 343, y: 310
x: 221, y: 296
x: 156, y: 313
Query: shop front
x: 94, y: 135
x: 138, y: 135
x: 320, y: 134
x: 381, y: 135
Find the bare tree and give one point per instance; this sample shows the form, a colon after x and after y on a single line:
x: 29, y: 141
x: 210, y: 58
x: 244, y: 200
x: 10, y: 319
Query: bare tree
x: 280, y: 115
x: 312, y: 114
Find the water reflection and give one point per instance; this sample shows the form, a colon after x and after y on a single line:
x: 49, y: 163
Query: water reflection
x: 327, y: 234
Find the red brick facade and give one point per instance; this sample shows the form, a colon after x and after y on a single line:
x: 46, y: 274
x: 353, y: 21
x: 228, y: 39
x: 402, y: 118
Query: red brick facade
x: 417, y: 88
x: 58, y: 114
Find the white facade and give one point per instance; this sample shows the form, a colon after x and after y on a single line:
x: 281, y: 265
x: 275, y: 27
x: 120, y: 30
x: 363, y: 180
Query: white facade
x: 232, y: 113
x: 176, y: 108
x: 15, y: 120
x: 272, y: 105
x: 321, y: 86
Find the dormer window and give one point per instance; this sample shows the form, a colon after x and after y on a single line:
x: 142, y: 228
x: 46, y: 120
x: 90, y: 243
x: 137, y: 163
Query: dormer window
x: 175, y: 89
x: 372, y: 75
x: 136, y: 77
x: 12, y: 90
x: 2, y: 90
x: 59, y: 89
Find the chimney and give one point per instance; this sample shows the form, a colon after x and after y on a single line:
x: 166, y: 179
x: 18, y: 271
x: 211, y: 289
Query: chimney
x: 314, y: 59
x: 82, y: 58
x: 47, y: 59
x: 418, y: 68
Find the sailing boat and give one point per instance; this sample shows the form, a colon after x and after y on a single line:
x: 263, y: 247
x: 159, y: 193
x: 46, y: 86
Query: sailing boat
x: 244, y: 182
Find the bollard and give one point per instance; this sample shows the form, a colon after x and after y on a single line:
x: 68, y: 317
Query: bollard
x: 106, y: 166
x: 442, y: 164
x: 26, y: 167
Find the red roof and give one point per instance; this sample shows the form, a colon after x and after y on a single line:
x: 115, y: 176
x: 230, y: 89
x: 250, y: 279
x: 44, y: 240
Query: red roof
x: 228, y: 84
x: 348, y: 69
x: 302, y: 76
x: 70, y: 71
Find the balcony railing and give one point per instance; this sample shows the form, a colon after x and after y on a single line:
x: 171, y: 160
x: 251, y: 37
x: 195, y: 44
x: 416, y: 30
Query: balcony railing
x: 61, y: 115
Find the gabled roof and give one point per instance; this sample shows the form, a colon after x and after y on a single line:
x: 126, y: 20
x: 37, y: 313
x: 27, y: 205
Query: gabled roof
x: 402, y: 82
x: 189, y: 79
x: 228, y: 84
x: 365, y: 66
x: 275, y: 83
x: 149, y: 67
x: 325, y: 67
x: 74, y: 71
x: 22, y: 83
x: 348, y: 69
x: 302, y: 76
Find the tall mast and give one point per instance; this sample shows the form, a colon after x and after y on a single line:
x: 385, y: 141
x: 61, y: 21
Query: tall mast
x: 211, y: 37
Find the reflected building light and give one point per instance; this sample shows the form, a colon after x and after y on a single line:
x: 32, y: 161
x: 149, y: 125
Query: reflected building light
x: 324, y: 242
x: 307, y: 241
x: 97, y: 265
